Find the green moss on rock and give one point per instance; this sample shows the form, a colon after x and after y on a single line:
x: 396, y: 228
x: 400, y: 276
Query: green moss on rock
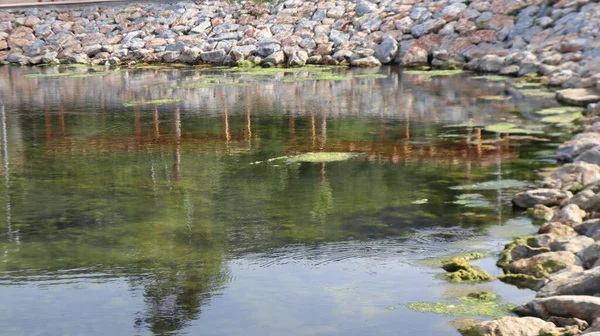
x: 521, y: 281
x: 475, y: 304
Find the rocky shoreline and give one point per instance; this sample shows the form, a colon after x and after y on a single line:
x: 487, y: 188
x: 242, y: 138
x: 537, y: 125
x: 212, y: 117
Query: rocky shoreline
x: 562, y: 262
x: 557, y: 39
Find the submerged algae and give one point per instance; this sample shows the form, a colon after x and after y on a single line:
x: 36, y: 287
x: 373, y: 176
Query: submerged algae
x: 475, y: 304
x: 460, y: 270
x: 153, y: 102
x: 429, y: 74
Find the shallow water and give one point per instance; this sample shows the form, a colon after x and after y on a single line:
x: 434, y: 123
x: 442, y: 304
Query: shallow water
x: 125, y: 217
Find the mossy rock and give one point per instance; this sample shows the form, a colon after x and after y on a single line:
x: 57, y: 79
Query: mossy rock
x: 562, y: 118
x: 506, y: 258
x: 547, y: 267
x: 521, y: 281
x: 471, y: 275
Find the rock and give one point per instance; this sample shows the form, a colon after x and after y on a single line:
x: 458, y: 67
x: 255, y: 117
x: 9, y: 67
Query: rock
x: 414, y: 56
x: 267, y: 49
x: 18, y: 59
x: 240, y: 53
x: 558, y: 230
x: 541, y: 211
x: 433, y: 26
x: 275, y: 58
x: 549, y: 197
x: 490, y: 63
x: 298, y: 58
x: 510, y: 70
x: 77, y: 58
x: 190, y: 55
x: 573, y: 175
x: 589, y: 228
x: 573, y: 245
x: 544, y: 264
x: 386, y: 50
x: 579, y: 97
x: 580, y: 143
x: 369, y: 61
x: 560, y: 77
x: 583, y: 307
x: 520, y: 248
x: 569, y: 321
x: 216, y: 56
x: 590, y: 156
x: 364, y: 7
x: 513, y: 326
x: 590, y: 255
x: 570, y: 214
x: 572, y: 281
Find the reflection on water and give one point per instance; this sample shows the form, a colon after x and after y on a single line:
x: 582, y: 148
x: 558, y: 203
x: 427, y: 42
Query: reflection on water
x: 153, y: 219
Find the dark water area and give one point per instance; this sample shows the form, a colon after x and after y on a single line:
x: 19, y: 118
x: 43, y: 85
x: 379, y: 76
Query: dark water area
x: 124, y: 215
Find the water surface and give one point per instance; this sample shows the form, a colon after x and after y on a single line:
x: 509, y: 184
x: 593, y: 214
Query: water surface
x: 124, y: 218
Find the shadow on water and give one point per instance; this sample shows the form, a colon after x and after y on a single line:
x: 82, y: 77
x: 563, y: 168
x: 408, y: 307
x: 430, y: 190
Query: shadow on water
x: 168, y: 207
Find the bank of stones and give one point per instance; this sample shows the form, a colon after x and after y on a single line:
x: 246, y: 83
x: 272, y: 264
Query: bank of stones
x: 556, y: 39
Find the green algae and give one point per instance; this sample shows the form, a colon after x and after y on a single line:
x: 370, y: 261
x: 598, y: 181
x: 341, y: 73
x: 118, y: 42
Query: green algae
x: 472, y: 201
x: 491, y: 78
x: 153, y: 102
x: 62, y: 74
x: 374, y: 75
x: 312, y: 157
x: 505, y: 256
x: 493, y: 98
x: 465, y: 124
x: 69, y: 75
x: 538, y: 93
x: 429, y: 74
x: 491, y: 185
x: 460, y: 270
x: 547, y: 267
x: 209, y: 85
x: 324, y: 77
x: 475, y: 304
x: 559, y: 110
x: 562, y: 118
x: 510, y: 128
x: 521, y: 281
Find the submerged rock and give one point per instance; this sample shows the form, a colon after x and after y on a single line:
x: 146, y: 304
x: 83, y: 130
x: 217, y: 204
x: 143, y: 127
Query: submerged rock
x: 580, y: 143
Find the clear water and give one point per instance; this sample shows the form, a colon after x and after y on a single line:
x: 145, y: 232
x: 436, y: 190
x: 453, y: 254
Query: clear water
x: 166, y: 220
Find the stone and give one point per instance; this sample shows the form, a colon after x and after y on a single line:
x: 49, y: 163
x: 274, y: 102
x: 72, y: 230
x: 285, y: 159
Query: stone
x: 190, y: 55
x: 240, y: 53
x: 511, y: 325
x: 580, y: 199
x: 560, y: 77
x: 558, y: 230
x: 369, y: 61
x: 490, y: 63
x: 579, y: 97
x: 386, y: 50
x: 18, y: 58
x: 590, y: 255
x: 433, y: 26
x: 414, y: 56
x: 275, y: 58
x: 571, y: 281
x: 590, y: 156
x: 510, y: 70
x: 298, y: 58
x: 589, y: 228
x: 583, y: 307
x: 541, y: 211
x: 77, y: 58
x: 570, y: 214
x: 573, y: 175
x: 545, y: 196
x: 364, y: 7
x: 216, y: 56
x: 544, y: 264
x: 580, y: 143
x: 573, y: 245
x: 267, y: 49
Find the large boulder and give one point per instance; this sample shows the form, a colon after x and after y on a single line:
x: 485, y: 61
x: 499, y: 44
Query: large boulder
x: 575, y: 282
x: 573, y: 175
x: 583, y: 307
x: 511, y: 325
x: 590, y: 156
x: 580, y: 143
x: 549, y: 197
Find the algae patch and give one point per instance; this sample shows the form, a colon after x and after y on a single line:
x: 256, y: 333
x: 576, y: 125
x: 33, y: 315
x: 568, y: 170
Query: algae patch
x: 491, y: 185
x: 559, y: 110
x: 475, y: 304
x: 562, y: 118
x: 429, y: 74
x: 460, y: 270
x: 313, y: 157
x: 510, y: 128
x: 374, y: 75
x: 521, y: 281
x: 472, y: 201
x: 491, y: 78
x: 153, y: 102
